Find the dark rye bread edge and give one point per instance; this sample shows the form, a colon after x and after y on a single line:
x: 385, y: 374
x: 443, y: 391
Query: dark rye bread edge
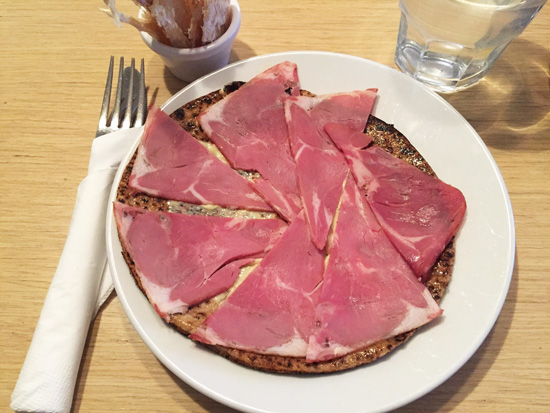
x: 385, y: 136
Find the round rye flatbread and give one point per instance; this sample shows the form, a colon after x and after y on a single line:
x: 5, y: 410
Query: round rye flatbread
x: 385, y: 136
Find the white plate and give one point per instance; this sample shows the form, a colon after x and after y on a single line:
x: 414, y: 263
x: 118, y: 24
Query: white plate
x: 482, y: 274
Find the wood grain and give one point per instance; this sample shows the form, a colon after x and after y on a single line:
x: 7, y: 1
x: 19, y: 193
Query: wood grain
x: 53, y: 61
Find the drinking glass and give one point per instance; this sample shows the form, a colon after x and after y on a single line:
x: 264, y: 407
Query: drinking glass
x: 450, y: 45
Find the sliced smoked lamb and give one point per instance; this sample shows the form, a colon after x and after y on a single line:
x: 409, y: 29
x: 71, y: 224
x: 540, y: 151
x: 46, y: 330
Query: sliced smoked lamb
x: 419, y: 213
x: 171, y: 164
x: 180, y: 259
x: 321, y: 168
x: 348, y: 108
x: 369, y: 292
x: 249, y: 128
x: 272, y: 310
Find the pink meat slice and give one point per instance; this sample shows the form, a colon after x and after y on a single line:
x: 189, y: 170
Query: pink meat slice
x: 172, y: 164
x: 369, y: 292
x: 180, y: 258
x: 217, y: 282
x: 249, y: 128
x: 272, y: 311
x: 351, y: 109
x: 419, y: 213
x: 321, y: 168
x: 347, y: 139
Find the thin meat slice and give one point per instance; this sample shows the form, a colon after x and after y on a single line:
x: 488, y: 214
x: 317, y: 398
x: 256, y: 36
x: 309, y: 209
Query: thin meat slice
x: 249, y: 128
x: 180, y: 258
x: 272, y: 311
x: 320, y: 166
x: 171, y: 164
x: 419, y: 213
x: 369, y: 292
x: 321, y: 170
x: 212, y: 286
x: 348, y: 108
x: 347, y: 139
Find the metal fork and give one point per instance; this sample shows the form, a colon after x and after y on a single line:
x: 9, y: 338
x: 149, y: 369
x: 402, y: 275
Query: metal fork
x: 130, y: 107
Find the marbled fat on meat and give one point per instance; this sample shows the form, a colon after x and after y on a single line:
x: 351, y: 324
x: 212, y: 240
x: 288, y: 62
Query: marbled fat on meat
x: 351, y: 109
x: 272, y: 311
x: 321, y: 168
x: 171, y: 164
x: 419, y: 213
x: 347, y: 139
x: 369, y: 293
x: 182, y: 260
x: 249, y: 128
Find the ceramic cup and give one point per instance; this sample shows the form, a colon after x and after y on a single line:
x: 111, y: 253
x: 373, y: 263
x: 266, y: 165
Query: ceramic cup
x: 192, y: 63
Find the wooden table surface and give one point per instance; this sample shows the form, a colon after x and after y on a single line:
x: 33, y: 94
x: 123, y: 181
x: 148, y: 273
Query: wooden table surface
x: 53, y: 62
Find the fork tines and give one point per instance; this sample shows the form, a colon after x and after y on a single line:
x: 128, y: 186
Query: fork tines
x: 130, y: 108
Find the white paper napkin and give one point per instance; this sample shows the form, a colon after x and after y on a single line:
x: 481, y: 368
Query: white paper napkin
x: 80, y: 285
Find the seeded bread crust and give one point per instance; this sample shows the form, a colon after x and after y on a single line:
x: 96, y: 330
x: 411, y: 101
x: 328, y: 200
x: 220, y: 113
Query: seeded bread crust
x: 385, y: 136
